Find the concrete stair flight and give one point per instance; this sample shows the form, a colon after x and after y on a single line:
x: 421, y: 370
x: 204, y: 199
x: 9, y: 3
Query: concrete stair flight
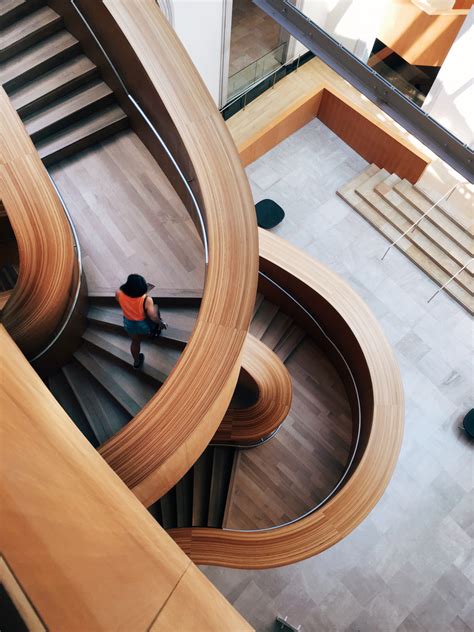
x: 438, y: 244
x: 54, y: 87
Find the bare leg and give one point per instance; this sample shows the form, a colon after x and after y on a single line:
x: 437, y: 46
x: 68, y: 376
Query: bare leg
x: 135, y: 348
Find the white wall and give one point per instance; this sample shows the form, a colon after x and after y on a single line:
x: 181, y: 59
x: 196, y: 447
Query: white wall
x: 451, y: 98
x: 203, y: 26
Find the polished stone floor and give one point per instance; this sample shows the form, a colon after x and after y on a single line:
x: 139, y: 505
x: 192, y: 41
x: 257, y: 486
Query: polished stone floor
x: 409, y: 566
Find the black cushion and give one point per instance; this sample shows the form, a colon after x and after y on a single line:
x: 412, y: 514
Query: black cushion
x: 269, y: 214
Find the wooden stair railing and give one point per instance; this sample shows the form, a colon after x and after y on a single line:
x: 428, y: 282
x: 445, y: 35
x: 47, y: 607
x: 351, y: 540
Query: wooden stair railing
x: 165, y: 439
x: 76, y: 543
x: 43, y: 235
x: 356, y: 333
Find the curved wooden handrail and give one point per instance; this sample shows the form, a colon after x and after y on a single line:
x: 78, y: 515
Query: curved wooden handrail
x: 43, y: 235
x: 256, y: 422
x: 74, y: 539
x: 358, y: 335
x: 164, y: 440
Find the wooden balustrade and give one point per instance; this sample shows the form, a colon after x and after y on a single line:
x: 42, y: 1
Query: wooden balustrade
x: 43, y: 236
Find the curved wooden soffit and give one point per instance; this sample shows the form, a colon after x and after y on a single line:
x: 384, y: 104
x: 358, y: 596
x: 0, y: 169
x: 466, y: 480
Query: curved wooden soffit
x: 382, y: 427
x: 47, y: 257
x: 165, y: 439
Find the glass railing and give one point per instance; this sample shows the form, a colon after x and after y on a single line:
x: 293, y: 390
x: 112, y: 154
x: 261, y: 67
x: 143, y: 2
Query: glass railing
x: 256, y: 71
x: 401, y: 83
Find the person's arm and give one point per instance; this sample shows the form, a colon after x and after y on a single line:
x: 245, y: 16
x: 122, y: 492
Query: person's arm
x: 153, y: 312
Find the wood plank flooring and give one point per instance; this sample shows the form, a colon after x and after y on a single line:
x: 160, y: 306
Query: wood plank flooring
x: 129, y: 218
x: 294, y: 471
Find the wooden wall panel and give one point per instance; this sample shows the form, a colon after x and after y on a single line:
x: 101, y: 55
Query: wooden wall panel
x: 368, y: 139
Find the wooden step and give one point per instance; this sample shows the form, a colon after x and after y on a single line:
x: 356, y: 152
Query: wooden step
x: 59, y: 387
x: 68, y: 109
x: 184, y: 500
x: 82, y: 134
x: 52, y: 85
x: 37, y: 59
x: 277, y: 329
x: 411, y: 250
x: 289, y: 342
x: 262, y: 319
x: 168, y: 510
x: 107, y: 379
x: 230, y: 491
x: 159, y: 360
x: 13, y: 10
x: 222, y: 461
x: 435, y: 220
x: 443, y: 219
x: 28, y: 31
x: 429, y: 248
x: 103, y: 413
x: 457, y: 206
x: 202, y: 474
x: 258, y: 301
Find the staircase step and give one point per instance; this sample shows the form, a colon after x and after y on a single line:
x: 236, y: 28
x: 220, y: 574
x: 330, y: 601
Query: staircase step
x: 184, y: 500
x: 13, y: 10
x: 82, y: 134
x: 258, y: 301
x: 222, y: 461
x: 202, y: 474
x: 262, y: 319
x: 411, y: 250
x: 457, y: 206
x: 277, y: 329
x: 68, y: 109
x: 28, y: 31
x: 429, y: 247
x: 230, y: 490
x: 443, y: 220
x: 37, y: 59
x: 43, y: 90
x: 168, y: 510
x: 159, y: 360
x: 289, y: 342
x: 107, y: 379
x: 103, y: 413
x: 59, y: 387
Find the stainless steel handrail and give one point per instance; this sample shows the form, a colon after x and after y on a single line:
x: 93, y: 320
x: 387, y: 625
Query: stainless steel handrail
x: 450, y: 279
x: 255, y: 83
x: 415, y: 224
x: 359, y: 418
x: 77, y: 291
x: 153, y: 129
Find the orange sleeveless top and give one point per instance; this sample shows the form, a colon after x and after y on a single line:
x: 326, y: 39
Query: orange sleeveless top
x: 132, y: 308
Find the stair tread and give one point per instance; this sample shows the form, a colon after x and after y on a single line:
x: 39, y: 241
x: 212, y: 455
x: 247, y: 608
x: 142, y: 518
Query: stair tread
x: 24, y: 28
x: 81, y: 130
x: 411, y: 250
x: 107, y: 379
x: 258, y: 301
x: 202, y: 472
x: 262, y: 319
x: 418, y: 199
x: 11, y: 10
x: 289, y: 342
x: 457, y: 206
x: 27, y: 61
x: 64, y: 395
x: 159, y: 360
x: 221, y: 472
x: 57, y: 80
x: 104, y: 415
x: 431, y: 249
x: 66, y: 106
x: 276, y: 330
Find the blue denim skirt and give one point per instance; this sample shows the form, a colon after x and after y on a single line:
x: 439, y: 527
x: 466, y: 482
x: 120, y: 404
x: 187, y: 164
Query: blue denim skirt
x: 138, y: 327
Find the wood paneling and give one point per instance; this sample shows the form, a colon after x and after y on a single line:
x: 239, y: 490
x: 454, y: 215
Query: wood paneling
x: 44, y: 238
x: 382, y: 408
x: 161, y: 443
x: 419, y: 38
x: 86, y: 553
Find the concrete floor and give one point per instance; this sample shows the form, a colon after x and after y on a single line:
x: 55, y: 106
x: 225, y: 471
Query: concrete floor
x: 409, y: 566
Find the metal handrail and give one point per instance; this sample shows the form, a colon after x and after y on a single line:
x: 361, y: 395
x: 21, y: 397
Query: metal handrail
x: 75, y: 298
x: 267, y: 76
x: 415, y: 224
x: 359, y: 417
x: 153, y: 129
x: 450, y: 279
